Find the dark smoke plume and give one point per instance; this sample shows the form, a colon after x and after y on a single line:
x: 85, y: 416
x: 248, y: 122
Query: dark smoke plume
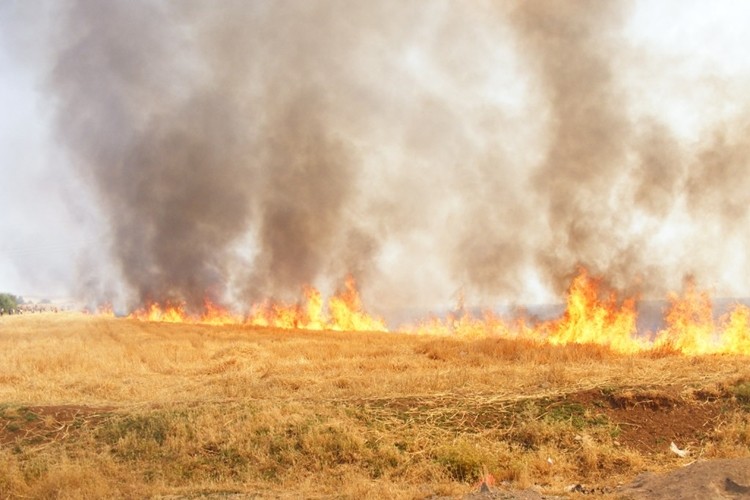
x: 167, y: 156
x: 588, y: 131
x: 609, y: 182
x: 243, y: 149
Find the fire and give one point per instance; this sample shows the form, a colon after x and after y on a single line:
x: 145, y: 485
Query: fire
x: 690, y: 324
x: 691, y: 327
x: 462, y: 323
x: 347, y: 313
x: 736, y: 336
x: 342, y: 312
x: 593, y: 314
x: 106, y: 310
x: 594, y: 318
x: 166, y: 314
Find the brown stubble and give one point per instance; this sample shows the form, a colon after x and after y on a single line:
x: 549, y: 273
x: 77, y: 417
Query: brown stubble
x: 118, y: 407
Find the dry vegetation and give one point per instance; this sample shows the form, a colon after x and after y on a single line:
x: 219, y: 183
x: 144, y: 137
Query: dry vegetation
x: 104, y: 407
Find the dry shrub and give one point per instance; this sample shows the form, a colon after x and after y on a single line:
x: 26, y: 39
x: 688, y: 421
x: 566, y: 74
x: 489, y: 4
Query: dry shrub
x: 597, y: 462
x: 71, y: 480
x: 556, y: 374
x: 466, y: 460
x: 731, y: 438
x: 12, y: 481
x: 662, y: 351
x: 517, y: 350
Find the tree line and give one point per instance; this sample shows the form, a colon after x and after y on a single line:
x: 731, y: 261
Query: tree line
x: 9, y: 303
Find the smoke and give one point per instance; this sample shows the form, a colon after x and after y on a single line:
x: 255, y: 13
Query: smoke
x: 611, y: 181
x: 164, y: 155
x: 245, y: 149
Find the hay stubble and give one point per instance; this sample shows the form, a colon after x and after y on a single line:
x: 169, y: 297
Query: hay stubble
x: 101, y: 406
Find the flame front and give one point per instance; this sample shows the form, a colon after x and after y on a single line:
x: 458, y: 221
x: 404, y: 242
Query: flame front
x: 590, y: 318
x: 690, y: 324
x: 691, y: 328
x: 593, y: 315
x: 342, y: 312
x: 736, y: 336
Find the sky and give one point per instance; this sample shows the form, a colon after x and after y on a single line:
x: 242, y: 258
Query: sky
x: 171, y: 150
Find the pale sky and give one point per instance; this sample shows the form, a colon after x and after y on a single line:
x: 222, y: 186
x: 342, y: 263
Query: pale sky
x: 687, y: 65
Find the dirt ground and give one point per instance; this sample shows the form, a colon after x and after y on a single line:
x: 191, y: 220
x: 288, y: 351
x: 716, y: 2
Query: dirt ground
x: 712, y: 479
x: 650, y: 420
x: 708, y: 480
x: 704, y: 480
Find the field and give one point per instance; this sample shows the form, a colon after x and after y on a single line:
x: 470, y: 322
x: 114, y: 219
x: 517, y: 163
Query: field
x: 92, y: 406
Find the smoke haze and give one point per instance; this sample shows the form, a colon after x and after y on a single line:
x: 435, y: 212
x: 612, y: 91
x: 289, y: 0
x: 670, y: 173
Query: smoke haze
x: 244, y: 149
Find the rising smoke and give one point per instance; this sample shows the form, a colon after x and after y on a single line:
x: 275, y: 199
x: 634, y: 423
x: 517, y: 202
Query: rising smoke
x: 243, y: 149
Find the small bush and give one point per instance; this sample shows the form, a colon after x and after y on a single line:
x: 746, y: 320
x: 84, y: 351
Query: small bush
x: 8, y: 303
x: 742, y: 392
x: 465, y: 461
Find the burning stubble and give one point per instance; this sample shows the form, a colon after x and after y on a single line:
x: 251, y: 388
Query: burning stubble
x: 480, y: 143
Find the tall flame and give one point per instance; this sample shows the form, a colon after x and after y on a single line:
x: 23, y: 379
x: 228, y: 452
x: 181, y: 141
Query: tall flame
x: 342, y: 312
x: 593, y: 315
x: 736, y: 336
x: 690, y: 324
x: 591, y: 318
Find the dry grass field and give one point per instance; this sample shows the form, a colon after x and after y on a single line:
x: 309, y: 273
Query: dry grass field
x: 95, y: 407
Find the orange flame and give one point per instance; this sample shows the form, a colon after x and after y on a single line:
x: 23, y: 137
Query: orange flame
x: 736, y: 331
x: 342, y: 312
x: 590, y: 318
x: 106, y: 310
x: 690, y: 326
x: 347, y: 313
x: 593, y: 315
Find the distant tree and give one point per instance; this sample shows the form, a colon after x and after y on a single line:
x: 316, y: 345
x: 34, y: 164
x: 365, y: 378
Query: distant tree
x: 8, y: 303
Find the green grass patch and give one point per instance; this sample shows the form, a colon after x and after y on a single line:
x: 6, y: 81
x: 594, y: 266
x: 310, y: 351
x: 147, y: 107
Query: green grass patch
x: 742, y: 393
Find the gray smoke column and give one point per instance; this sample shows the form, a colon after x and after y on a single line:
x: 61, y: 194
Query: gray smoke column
x: 243, y: 149
x: 164, y: 152
x: 570, y: 47
x: 196, y: 128
x: 610, y: 182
